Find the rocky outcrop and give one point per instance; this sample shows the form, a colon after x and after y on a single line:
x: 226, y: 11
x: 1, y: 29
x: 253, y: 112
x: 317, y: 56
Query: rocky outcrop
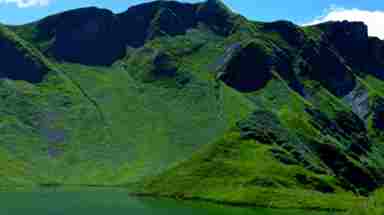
x: 86, y: 36
x: 146, y: 21
x: 164, y: 65
x: 166, y: 22
x: 215, y: 15
x: 96, y: 36
x: 378, y: 113
x: 375, y: 59
x: 325, y: 65
x: 19, y: 62
x: 264, y: 127
x: 358, y: 100
x: 341, y: 160
x: 250, y: 68
x: 332, y: 60
x: 352, y: 175
x: 350, y: 39
x: 346, y: 127
x: 376, y: 51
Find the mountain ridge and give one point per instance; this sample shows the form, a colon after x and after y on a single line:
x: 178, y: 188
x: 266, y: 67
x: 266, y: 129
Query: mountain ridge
x: 194, y: 108
x: 91, y: 26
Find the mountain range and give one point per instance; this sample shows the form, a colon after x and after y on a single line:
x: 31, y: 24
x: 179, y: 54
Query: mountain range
x: 193, y: 101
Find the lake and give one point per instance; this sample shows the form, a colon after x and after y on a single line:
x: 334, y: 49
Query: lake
x: 117, y: 203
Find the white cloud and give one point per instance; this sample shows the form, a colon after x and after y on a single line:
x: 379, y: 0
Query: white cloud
x: 374, y: 19
x: 26, y: 3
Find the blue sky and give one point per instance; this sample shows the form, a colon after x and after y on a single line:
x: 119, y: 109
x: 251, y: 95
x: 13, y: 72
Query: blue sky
x: 298, y: 11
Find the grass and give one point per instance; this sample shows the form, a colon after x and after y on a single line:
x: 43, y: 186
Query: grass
x: 111, y: 123
x: 200, y: 107
x: 372, y: 206
x: 230, y: 171
x: 233, y: 170
x: 313, y: 33
x: 179, y: 134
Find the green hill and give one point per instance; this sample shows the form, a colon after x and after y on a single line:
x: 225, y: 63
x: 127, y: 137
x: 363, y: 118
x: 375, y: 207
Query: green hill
x: 182, y: 105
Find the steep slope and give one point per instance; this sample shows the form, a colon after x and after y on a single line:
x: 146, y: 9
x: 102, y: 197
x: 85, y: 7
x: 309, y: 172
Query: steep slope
x: 20, y: 61
x: 119, y: 123
x: 189, y: 105
x: 313, y: 110
x: 42, y: 111
x: 94, y: 36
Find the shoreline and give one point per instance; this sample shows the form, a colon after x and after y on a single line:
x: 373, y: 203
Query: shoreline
x: 147, y: 195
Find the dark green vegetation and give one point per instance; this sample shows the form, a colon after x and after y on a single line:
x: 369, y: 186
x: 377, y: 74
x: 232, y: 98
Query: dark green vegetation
x: 181, y: 103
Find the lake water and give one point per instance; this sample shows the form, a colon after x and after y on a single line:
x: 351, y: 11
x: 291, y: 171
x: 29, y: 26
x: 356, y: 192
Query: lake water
x: 116, y: 203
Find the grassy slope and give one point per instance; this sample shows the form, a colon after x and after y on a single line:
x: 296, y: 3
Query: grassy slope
x: 241, y: 172
x: 110, y: 123
x: 44, y: 121
x: 153, y: 126
x: 372, y: 206
x: 112, y: 126
x: 237, y: 171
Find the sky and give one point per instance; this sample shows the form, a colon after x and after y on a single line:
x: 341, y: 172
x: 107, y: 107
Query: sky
x: 301, y: 12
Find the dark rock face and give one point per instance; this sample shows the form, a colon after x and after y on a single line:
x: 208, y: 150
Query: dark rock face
x: 379, y: 118
x: 353, y: 175
x: 146, y: 21
x: 350, y: 39
x: 347, y: 127
x: 87, y: 36
x: 98, y: 37
x: 216, y: 16
x: 165, y: 65
x: 376, y: 47
x: 250, y: 69
x: 378, y: 113
x: 349, y: 130
x: 329, y: 68
x: 375, y: 60
x: 166, y: 22
x: 16, y: 65
x: 326, y: 61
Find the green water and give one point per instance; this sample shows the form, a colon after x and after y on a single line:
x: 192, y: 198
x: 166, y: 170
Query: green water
x: 116, y: 203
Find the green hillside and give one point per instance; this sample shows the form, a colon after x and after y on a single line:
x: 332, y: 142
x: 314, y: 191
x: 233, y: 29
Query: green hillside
x: 190, y: 107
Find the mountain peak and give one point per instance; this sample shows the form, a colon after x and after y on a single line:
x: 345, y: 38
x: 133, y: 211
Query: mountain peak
x: 79, y: 35
x: 218, y: 4
x: 356, y: 30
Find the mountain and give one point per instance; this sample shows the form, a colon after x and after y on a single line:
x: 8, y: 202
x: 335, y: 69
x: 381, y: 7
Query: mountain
x: 193, y: 101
